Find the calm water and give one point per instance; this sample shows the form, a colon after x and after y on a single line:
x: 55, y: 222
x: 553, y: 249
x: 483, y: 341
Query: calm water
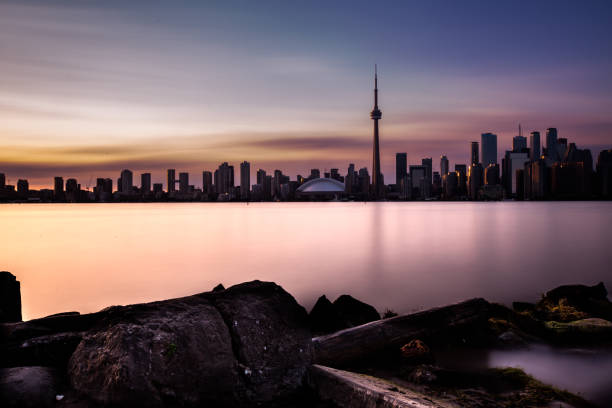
x: 403, y: 256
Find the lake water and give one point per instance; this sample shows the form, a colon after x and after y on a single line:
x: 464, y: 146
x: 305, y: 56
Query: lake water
x: 403, y: 256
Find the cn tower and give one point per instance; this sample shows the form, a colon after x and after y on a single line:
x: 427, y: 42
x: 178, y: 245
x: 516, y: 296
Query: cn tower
x: 376, y: 114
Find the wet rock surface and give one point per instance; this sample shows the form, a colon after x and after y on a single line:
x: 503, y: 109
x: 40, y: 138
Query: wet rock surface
x: 28, y: 387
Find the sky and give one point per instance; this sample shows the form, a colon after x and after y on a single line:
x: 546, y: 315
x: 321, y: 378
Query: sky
x: 88, y: 88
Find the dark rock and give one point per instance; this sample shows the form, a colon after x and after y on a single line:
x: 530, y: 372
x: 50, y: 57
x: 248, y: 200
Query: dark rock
x: 10, y: 298
x: 324, y: 318
x: 242, y: 346
x: 575, y: 302
x: 354, y: 312
x: 50, y: 350
x: 26, y: 387
x: 218, y: 288
x: 511, y: 340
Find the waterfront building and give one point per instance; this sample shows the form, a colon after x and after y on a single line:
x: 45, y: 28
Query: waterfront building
x: 376, y: 115
x: 207, y: 182
x: 512, y: 162
x: 418, y: 175
x: 2, y: 181
x: 491, y: 175
x: 58, y: 188
x: 551, y: 145
x: 171, y: 180
x: 519, y: 143
x: 72, y: 190
x: 443, y: 165
x: 184, y: 183
x: 23, y: 187
x: 314, y: 174
x: 245, y: 180
x: 224, y: 179
x: 475, y: 178
x: 145, y: 183
x: 158, y: 188
x: 401, y: 168
x: 604, y: 173
x: 488, y: 148
x: 474, y: 153
x: 427, y: 163
x: 126, y: 181
x: 461, y: 170
x: 450, y: 183
x: 534, y: 146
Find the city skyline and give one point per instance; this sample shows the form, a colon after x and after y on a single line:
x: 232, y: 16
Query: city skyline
x: 285, y: 88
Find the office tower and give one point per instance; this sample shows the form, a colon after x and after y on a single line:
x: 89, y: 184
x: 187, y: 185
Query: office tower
x: 488, y: 148
x: 335, y: 174
x: 475, y: 177
x: 443, y: 165
x: 562, y: 148
x: 58, y: 188
x: 350, y: 179
x: 224, y: 179
x: 538, y: 179
x: 418, y: 179
x: 401, y: 167
x: 171, y: 180
x: 534, y: 146
x: 267, y: 188
x: 491, y: 175
x: 145, y: 183
x: 2, y: 181
x: 364, y: 181
x: 72, y: 190
x: 512, y: 162
x: 436, y: 184
x: 207, y: 182
x: 461, y: 170
x: 551, y: 144
x: 126, y: 182
x: 604, y: 173
x: 376, y: 114
x: 183, y: 183
x: 474, y: 153
x: 314, y: 174
x: 450, y: 184
x: 427, y: 163
x: 261, y: 176
x: 245, y: 180
x: 23, y: 186
x: 158, y: 188
x: 519, y: 143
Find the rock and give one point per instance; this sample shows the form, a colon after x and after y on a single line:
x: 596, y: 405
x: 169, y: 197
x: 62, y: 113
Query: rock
x: 218, y: 288
x: 243, y: 346
x: 575, y: 302
x: 523, y: 306
x: 586, y: 326
x: 26, y: 387
x: 50, y: 350
x: 416, y: 352
x: 423, y: 374
x: 324, y: 318
x: 354, y: 312
x: 511, y: 339
x: 10, y: 298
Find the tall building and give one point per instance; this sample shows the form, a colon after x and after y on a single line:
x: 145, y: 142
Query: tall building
x: 427, y: 163
x: 534, y: 146
x: 350, y: 179
x: 72, y: 190
x: 474, y: 153
x: 418, y: 179
x: 461, y: 170
x: 491, y: 175
x: 551, y: 144
x: 443, y: 165
x: 401, y: 167
x: 145, y: 183
x: 171, y: 180
x: 207, y: 182
x: 519, y: 143
x: 512, y: 162
x: 475, y: 178
x: 224, y: 179
x: 183, y: 183
x: 2, y: 181
x: 488, y: 149
x: 126, y: 181
x: 376, y: 114
x: 23, y: 186
x: 245, y: 180
x: 58, y: 188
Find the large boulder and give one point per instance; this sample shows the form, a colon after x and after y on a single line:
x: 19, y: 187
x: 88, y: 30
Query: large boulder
x: 247, y: 345
x: 10, y: 298
x: 324, y: 318
x: 26, y: 387
x: 355, y: 312
x: 575, y: 302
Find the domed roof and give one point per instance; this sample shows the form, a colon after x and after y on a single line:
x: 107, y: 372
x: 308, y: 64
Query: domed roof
x: 321, y: 185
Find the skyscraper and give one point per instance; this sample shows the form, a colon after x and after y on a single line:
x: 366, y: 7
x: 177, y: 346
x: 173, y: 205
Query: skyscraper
x: 245, y: 180
x: 224, y: 179
x: 126, y: 181
x: 534, y: 146
x: 183, y: 183
x: 488, y: 146
x: 474, y: 153
x: 207, y: 184
x: 58, y: 188
x: 443, y: 165
x: 519, y: 143
x: 401, y: 167
x: 2, y: 181
x: 551, y: 144
x: 428, y: 164
x: 171, y: 180
x: 145, y: 183
x: 376, y: 114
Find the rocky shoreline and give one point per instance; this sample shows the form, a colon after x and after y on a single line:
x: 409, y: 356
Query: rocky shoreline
x: 253, y: 345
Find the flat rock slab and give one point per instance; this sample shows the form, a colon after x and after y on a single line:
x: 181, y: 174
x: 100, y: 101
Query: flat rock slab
x: 348, y: 389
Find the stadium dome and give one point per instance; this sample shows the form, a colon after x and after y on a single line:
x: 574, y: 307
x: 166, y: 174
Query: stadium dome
x: 321, y: 186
